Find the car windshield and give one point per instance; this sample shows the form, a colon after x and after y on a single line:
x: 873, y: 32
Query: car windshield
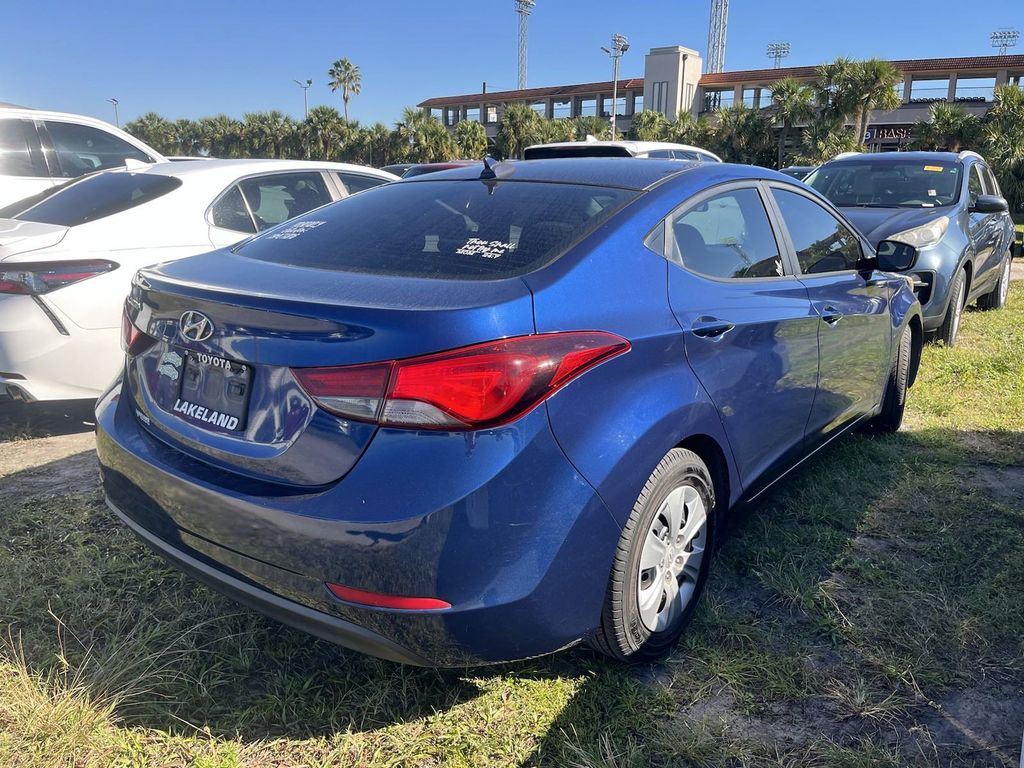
x: 445, y: 229
x: 92, y: 198
x: 895, y: 183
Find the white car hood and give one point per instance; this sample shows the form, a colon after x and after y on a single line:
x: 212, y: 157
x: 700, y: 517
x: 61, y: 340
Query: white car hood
x: 17, y: 237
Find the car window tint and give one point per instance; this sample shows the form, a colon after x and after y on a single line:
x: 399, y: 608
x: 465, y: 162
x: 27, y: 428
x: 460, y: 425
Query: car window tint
x: 822, y: 242
x: 991, y: 185
x: 357, y: 182
x: 727, y: 236
x: 230, y: 212
x: 15, y: 156
x: 447, y: 229
x: 282, y: 196
x: 82, y: 149
x: 888, y: 182
x: 666, y: 153
x: 99, y: 196
x: 974, y: 185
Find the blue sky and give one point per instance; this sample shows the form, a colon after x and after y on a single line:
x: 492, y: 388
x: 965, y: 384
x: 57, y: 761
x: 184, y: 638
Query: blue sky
x: 189, y: 59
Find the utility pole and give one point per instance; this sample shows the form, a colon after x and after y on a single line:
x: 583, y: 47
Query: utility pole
x: 717, y: 27
x: 305, y: 97
x: 619, y: 46
x: 117, y: 120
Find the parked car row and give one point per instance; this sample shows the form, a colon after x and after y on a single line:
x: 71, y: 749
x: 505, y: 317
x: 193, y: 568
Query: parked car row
x: 493, y: 411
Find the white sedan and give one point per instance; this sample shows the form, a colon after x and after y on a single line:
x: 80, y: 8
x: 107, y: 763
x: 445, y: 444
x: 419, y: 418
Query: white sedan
x: 68, y: 255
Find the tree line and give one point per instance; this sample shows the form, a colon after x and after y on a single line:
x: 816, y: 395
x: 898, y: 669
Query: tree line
x: 832, y: 113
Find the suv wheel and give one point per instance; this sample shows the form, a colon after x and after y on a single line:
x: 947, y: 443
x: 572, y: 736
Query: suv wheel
x: 997, y: 298
x: 950, y: 327
x: 662, y: 562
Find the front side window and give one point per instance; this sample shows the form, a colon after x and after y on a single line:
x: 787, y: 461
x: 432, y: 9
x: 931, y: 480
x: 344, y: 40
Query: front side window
x: 445, y: 229
x: 97, y: 197
x: 83, y: 149
x: 15, y: 153
x: 726, y: 236
x: 990, y: 182
x: 229, y: 212
x: 822, y: 242
x: 275, y: 199
x: 357, y: 182
x: 888, y: 183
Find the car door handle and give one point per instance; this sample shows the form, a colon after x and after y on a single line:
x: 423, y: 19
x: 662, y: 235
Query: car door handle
x: 830, y: 314
x: 711, y: 327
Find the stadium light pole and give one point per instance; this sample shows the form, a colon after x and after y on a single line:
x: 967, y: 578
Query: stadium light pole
x: 117, y: 120
x: 777, y: 51
x: 305, y: 97
x: 619, y: 46
x: 1004, y: 39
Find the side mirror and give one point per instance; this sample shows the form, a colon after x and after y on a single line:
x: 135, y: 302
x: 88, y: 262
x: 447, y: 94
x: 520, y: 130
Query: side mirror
x: 895, y: 257
x: 989, y: 204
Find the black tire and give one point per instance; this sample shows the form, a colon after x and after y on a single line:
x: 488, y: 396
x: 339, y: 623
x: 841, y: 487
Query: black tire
x: 894, y: 401
x: 996, y: 298
x: 950, y: 327
x: 622, y: 634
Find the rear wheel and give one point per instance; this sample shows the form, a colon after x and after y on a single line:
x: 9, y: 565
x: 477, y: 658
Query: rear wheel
x: 950, y: 327
x: 894, y: 401
x: 997, y: 298
x: 662, y: 561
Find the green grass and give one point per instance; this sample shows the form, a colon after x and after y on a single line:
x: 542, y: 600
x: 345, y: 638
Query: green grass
x: 868, y: 614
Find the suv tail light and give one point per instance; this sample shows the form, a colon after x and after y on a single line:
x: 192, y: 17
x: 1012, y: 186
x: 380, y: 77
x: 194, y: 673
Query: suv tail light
x: 484, y: 385
x: 39, y: 278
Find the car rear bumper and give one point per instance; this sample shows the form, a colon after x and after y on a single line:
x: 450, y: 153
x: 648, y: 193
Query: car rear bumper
x: 50, y: 357
x: 498, y: 524
x: 289, y: 612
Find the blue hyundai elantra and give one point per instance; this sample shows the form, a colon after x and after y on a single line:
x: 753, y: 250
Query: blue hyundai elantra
x: 493, y: 412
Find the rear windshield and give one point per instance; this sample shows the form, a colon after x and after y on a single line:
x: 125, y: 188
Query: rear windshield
x: 93, y: 198
x: 445, y: 229
x: 896, y: 183
x: 583, y: 150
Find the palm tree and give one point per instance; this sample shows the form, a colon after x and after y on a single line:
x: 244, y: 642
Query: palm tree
x: 744, y: 135
x: 560, y: 129
x: 221, y: 135
x: 265, y: 134
x: 834, y: 90
x: 823, y: 139
x: 949, y: 128
x: 648, y: 126
x: 520, y: 127
x: 794, y: 103
x: 874, y: 87
x: 589, y: 125
x: 1004, y: 143
x: 189, y: 138
x: 346, y: 76
x: 384, y: 146
x: 156, y: 131
x: 685, y: 130
x: 323, y: 132
x: 471, y: 139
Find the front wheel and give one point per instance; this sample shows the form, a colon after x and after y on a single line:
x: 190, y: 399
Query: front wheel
x: 662, y: 561
x: 997, y: 298
x: 894, y: 400
x: 950, y: 327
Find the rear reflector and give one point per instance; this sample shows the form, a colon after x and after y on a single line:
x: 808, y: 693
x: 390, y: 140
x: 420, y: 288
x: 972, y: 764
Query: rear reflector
x: 484, y: 385
x: 362, y: 597
x: 39, y: 278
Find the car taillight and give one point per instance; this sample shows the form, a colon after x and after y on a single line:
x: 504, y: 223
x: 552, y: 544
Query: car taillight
x: 38, y: 278
x: 474, y: 387
x: 133, y: 340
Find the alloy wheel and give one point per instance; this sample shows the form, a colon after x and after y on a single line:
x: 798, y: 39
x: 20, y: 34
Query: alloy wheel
x: 671, y: 557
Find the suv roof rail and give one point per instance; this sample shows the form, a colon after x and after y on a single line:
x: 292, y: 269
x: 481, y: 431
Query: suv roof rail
x: 841, y: 155
x: 968, y: 153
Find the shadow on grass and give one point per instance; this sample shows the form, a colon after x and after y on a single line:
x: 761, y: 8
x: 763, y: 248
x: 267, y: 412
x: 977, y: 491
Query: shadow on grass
x: 180, y: 657
x: 28, y: 420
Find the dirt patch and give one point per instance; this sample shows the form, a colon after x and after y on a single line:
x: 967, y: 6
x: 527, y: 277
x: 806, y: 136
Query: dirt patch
x: 1005, y: 484
x: 988, y: 718
x: 48, y: 466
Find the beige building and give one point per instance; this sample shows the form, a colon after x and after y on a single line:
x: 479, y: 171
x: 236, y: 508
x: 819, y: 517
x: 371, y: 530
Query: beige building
x: 674, y: 82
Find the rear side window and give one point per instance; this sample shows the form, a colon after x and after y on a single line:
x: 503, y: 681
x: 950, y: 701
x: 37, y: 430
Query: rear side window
x: 229, y: 212
x: 282, y: 196
x: 446, y: 229
x: 358, y: 182
x: 15, y: 153
x: 82, y: 149
x: 99, y: 196
x: 727, y: 236
x: 822, y: 242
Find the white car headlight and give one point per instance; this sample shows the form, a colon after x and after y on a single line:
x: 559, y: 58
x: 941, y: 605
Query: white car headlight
x: 925, y: 235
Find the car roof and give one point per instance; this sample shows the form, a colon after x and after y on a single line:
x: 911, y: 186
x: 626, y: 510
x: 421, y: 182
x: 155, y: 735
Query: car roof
x: 875, y: 157
x: 230, y: 169
x: 622, y: 172
x: 633, y: 147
